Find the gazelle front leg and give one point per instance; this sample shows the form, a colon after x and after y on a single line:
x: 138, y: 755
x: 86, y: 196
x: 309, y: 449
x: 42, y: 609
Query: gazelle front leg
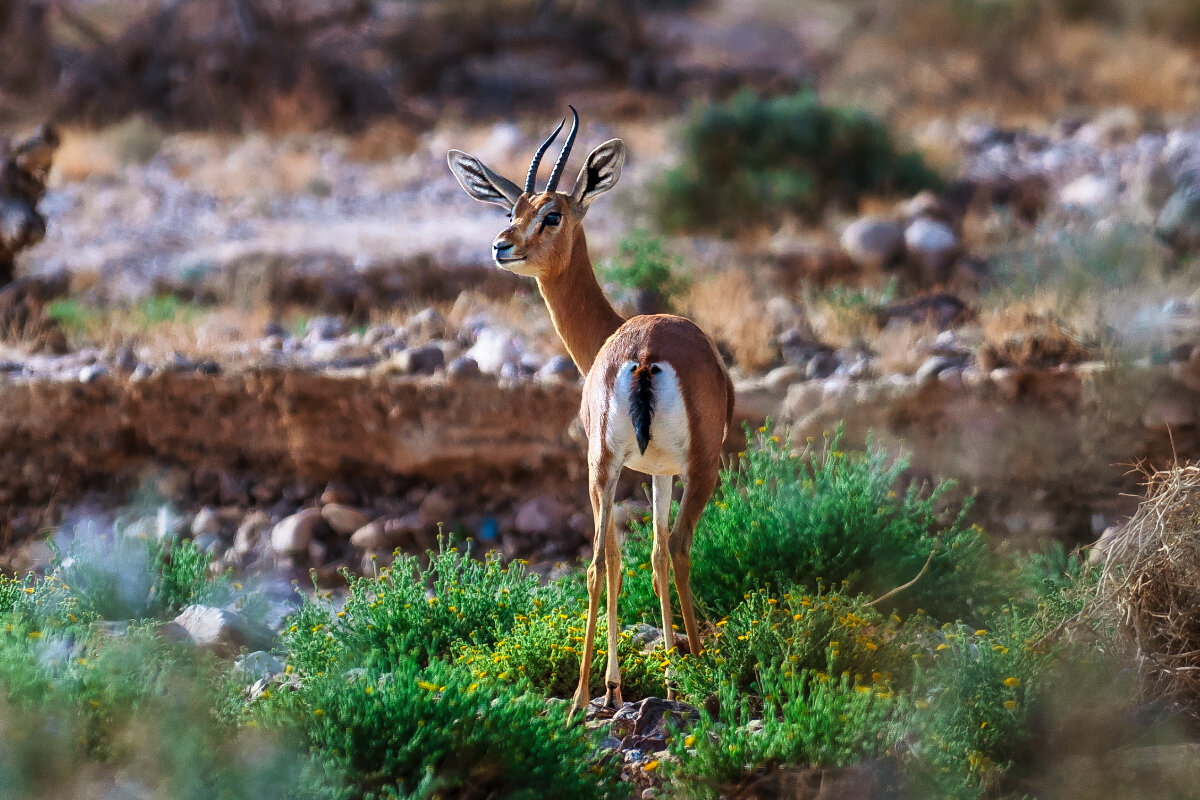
x: 602, y: 488
x: 660, y: 557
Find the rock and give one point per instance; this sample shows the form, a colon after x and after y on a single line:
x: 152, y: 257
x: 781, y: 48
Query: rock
x: 258, y: 665
x: 798, y: 349
x: 92, y: 373
x: 782, y: 377
x: 427, y: 324
x: 873, y: 243
x: 381, y: 535
x: 821, y: 365
x: 250, y: 533
x: 294, y: 534
x: 324, y: 328
x: 557, y: 368
x: 212, y: 628
x: 1179, y: 221
x: 784, y: 314
x: 463, y: 368
x: 377, y: 333
x: 1110, y: 128
x: 929, y: 205
x: 643, y: 725
x: 423, y: 360
x: 1089, y: 193
x: 206, y: 521
x: 542, y: 514
x: 339, y: 492
x: 933, y: 244
x: 343, y: 519
x: 934, y: 366
x: 493, y: 349
x: 435, y: 507
x: 648, y: 636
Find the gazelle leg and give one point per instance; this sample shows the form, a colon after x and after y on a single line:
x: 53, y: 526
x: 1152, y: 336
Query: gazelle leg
x: 612, y: 671
x: 602, y: 488
x: 697, y: 488
x: 660, y: 558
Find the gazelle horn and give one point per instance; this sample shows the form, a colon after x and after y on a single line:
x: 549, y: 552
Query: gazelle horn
x: 537, y: 158
x: 552, y: 184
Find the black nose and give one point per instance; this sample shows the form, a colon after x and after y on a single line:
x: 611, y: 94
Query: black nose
x: 502, y: 247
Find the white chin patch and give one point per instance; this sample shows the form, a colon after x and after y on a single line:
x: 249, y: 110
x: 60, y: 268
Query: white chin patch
x: 520, y: 267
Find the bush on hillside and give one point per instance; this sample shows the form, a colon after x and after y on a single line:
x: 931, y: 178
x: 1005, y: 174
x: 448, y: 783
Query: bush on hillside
x: 752, y: 160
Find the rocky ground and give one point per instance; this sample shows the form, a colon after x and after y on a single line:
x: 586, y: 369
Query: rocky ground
x: 412, y: 375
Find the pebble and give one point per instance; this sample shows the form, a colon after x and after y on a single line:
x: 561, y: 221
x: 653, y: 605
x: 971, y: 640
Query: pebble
x: 294, y: 534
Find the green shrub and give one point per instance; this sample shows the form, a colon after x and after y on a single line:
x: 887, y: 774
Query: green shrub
x: 807, y: 718
x: 804, y: 632
x: 748, y: 161
x: 778, y: 518
x: 641, y: 264
x: 544, y: 651
x: 436, y: 731
x: 410, y: 611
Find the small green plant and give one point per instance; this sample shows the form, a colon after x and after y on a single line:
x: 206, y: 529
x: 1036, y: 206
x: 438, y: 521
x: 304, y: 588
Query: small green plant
x: 806, y: 719
x: 779, y: 519
x: 416, y: 731
x: 751, y: 160
x: 642, y: 264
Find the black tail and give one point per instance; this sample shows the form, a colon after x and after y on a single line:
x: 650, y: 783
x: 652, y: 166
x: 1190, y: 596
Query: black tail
x: 641, y: 403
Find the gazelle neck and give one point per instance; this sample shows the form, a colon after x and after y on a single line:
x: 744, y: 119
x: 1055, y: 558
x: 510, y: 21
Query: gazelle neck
x: 582, y: 315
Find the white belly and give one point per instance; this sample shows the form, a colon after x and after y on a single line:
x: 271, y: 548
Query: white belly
x: 666, y: 453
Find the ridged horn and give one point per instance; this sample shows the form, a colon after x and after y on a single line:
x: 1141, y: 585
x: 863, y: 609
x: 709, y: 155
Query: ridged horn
x: 552, y: 184
x: 537, y: 158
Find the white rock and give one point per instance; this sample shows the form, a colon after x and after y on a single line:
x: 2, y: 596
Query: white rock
x: 1089, y: 193
x: 343, y: 519
x: 294, y: 534
x: 212, y: 628
x: 933, y: 243
x: 493, y: 349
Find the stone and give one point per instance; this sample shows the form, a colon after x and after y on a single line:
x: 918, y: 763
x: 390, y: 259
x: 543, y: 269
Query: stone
x: 344, y: 519
x: 933, y: 244
x: 1179, y: 221
x: 463, y: 368
x: 206, y: 521
x: 782, y: 377
x: 1089, y: 193
x: 1110, y: 128
x: 379, y: 535
x: 92, y: 373
x: 294, y: 534
x: 250, y: 532
x: 873, y: 243
x: 212, y: 628
x: 542, y: 514
x: 339, y: 492
x: 427, y: 324
x: 643, y: 725
x: 324, y: 328
x: 934, y: 366
x: 258, y: 665
x: 821, y: 365
x: 435, y: 507
x: 493, y: 350
x: 423, y: 360
x: 557, y: 368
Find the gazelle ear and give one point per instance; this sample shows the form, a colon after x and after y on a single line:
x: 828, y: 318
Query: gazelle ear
x: 600, y: 173
x: 480, y: 182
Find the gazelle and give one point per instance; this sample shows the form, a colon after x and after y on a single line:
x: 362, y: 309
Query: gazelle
x: 657, y: 398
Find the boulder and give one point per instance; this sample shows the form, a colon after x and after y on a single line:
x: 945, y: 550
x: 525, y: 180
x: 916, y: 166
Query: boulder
x: 344, y: 520
x: 933, y: 245
x: 294, y: 534
x: 873, y: 243
x: 212, y: 628
x: 493, y: 349
x: 250, y: 533
x: 643, y: 725
x: 542, y: 514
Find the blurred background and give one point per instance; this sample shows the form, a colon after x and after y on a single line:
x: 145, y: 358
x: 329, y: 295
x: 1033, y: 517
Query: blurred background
x: 240, y: 278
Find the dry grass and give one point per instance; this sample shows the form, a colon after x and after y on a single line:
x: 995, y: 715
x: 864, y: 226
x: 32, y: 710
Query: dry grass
x: 1151, y: 580
x: 1022, y: 335
x: 903, y: 346
x: 727, y: 307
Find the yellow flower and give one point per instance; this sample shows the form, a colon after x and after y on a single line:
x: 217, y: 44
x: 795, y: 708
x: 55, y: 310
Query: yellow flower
x: 427, y: 686
x: 942, y: 646
x: 689, y: 741
x: 1012, y: 682
x: 981, y: 632
x: 983, y: 724
x: 317, y: 712
x: 369, y: 689
x: 1011, y: 705
x: 651, y: 766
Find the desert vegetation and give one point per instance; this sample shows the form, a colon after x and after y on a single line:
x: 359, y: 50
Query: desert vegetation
x: 293, y: 503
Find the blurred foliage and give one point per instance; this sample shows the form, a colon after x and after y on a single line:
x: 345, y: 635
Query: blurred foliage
x: 642, y: 264
x: 752, y: 160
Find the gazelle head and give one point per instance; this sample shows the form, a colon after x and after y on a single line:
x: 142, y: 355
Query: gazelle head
x: 543, y: 225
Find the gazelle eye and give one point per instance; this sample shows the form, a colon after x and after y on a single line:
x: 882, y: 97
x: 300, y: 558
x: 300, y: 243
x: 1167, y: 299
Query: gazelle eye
x: 553, y: 218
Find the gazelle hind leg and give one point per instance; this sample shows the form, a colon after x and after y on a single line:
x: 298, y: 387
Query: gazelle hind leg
x: 660, y: 557
x: 602, y: 488
x: 612, y: 670
x: 697, y: 488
